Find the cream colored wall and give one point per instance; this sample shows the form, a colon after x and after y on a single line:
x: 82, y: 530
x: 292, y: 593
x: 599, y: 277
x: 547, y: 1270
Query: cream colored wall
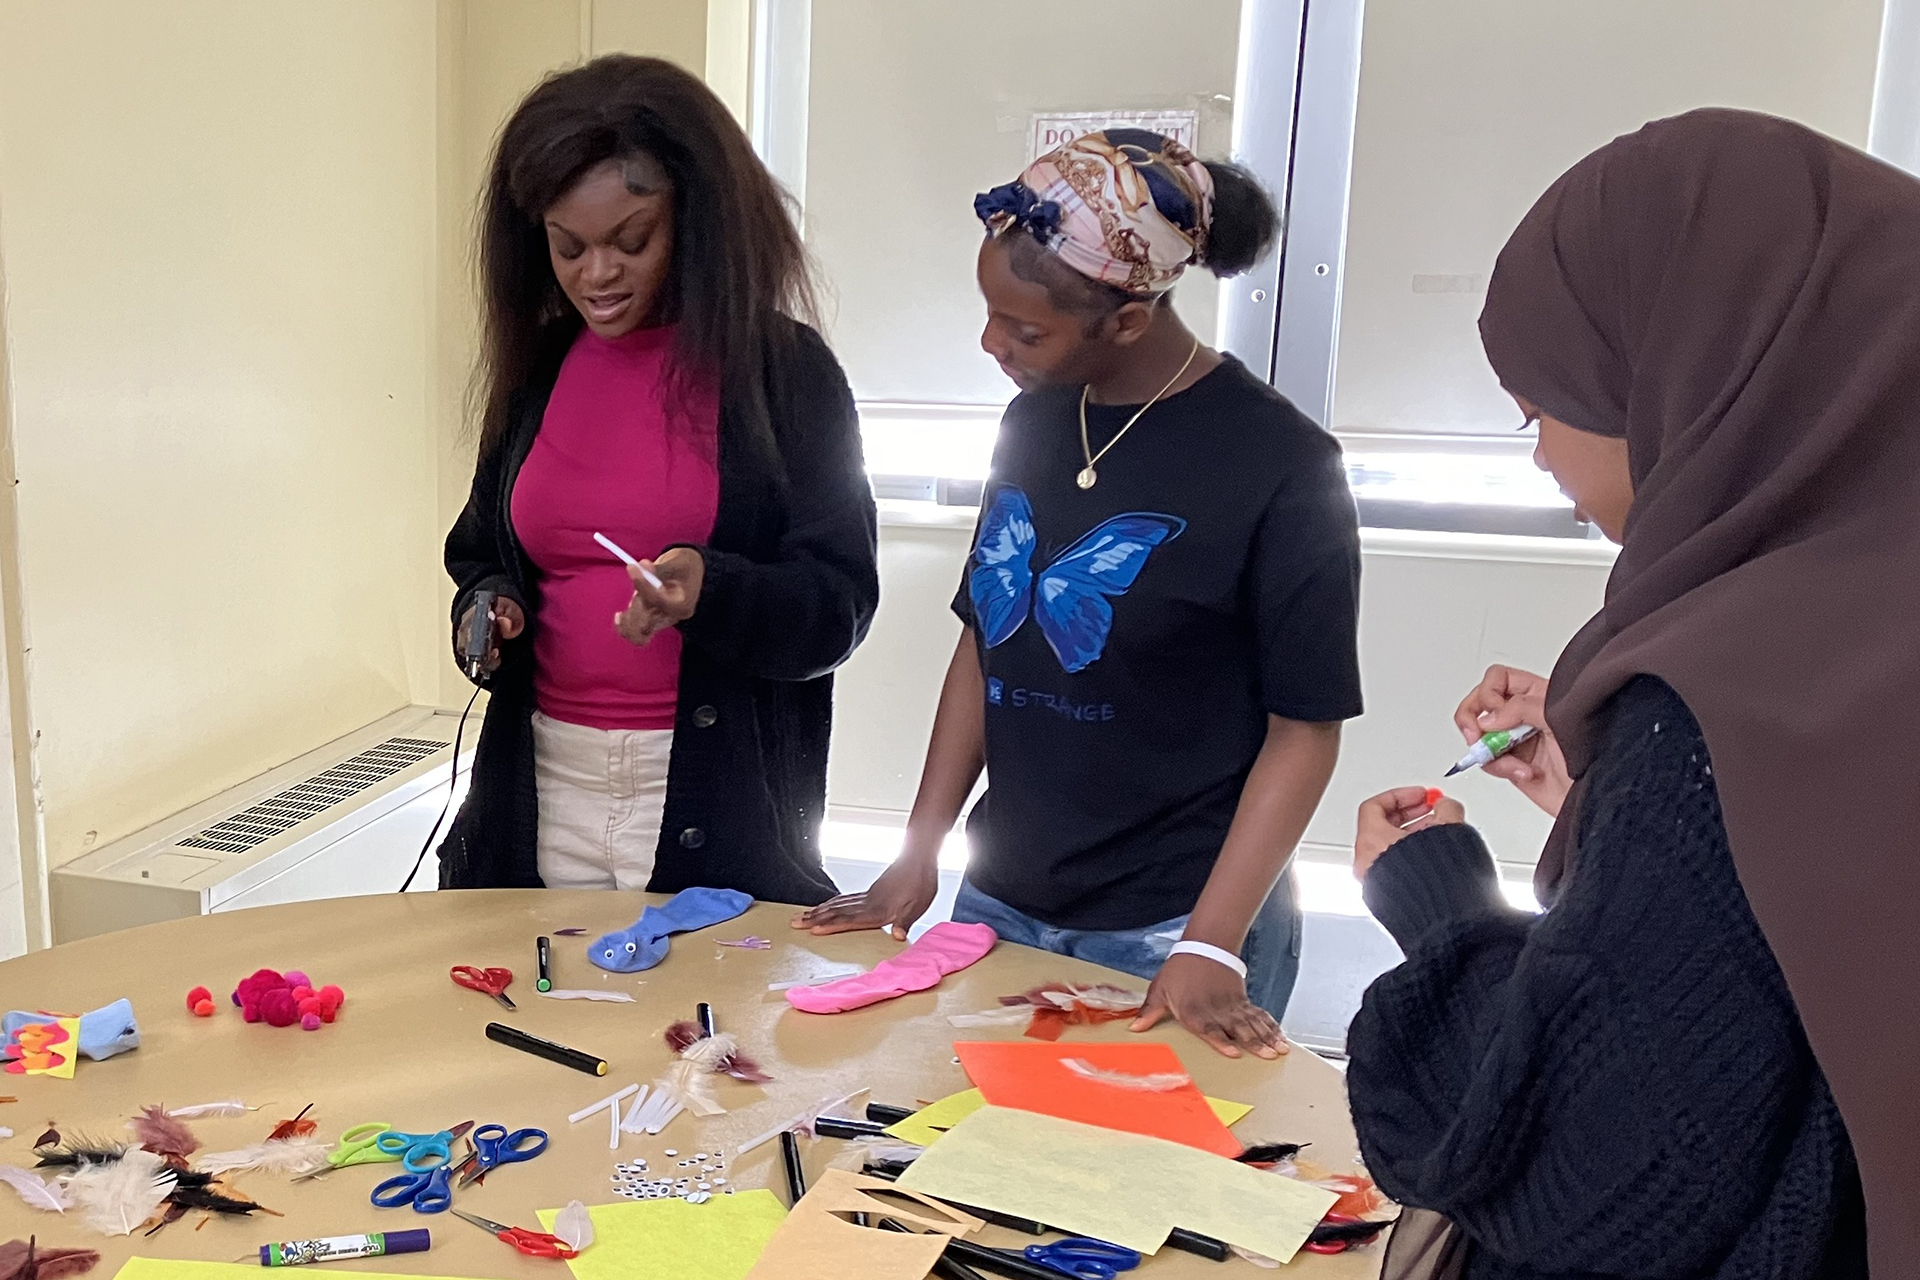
x: 1468, y: 111
x: 218, y: 241
x: 916, y: 107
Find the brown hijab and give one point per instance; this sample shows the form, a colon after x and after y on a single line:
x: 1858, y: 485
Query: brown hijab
x: 1739, y: 298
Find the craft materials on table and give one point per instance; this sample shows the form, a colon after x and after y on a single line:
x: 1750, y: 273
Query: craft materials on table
x: 643, y: 944
x: 296, y: 1253
x: 670, y: 1239
x: 928, y: 1125
x: 428, y: 1192
x: 515, y: 1038
x: 588, y: 993
x: 286, y: 999
x: 1055, y: 1006
x: 200, y: 1002
x: 795, y: 1171
x: 748, y: 943
x: 49, y: 1047
x: 420, y: 1152
x: 358, y: 1145
x: 816, y: 1242
x: 1119, y: 1187
x: 490, y: 982
x: 543, y: 964
x: 705, y: 1174
x: 106, y: 1031
x: 1134, y: 1086
x: 946, y: 948
x: 26, y: 1260
x: 185, y: 1269
x: 493, y: 1146
x: 535, y: 1244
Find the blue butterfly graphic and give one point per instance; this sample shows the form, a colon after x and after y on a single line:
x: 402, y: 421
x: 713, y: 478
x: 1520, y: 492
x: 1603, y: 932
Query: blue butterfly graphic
x: 1068, y: 598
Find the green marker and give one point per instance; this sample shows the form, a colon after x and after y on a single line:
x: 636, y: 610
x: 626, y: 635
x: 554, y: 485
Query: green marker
x: 1492, y: 747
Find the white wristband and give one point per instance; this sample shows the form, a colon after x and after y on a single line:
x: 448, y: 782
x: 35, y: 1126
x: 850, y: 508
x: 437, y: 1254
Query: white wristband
x: 1219, y: 955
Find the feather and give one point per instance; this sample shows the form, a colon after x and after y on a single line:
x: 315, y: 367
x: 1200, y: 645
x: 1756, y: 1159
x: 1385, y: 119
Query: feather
x: 118, y: 1197
x: 574, y: 1226
x: 213, y: 1201
x: 690, y: 1087
x: 719, y: 1054
x: 1153, y: 1082
x: 212, y: 1110
x: 78, y: 1152
x: 24, y: 1260
x: 1349, y: 1232
x: 165, y: 1216
x: 1270, y: 1153
x: 568, y: 933
x: 620, y: 997
x: 51, y: 1138
x: 291, y: 1156
x: 34, y: 1189
x: 163, y: 1135
x: 5, y: 1132
x: 298, y: 1127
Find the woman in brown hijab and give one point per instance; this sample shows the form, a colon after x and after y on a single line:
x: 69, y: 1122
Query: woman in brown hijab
x: 1700, y: 1060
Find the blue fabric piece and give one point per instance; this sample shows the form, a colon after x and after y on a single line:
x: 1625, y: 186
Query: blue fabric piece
x: 103, y: 1033
x: 643, y: 944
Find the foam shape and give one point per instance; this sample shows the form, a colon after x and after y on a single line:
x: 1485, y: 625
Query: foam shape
x: 106, y: 1031
x: 643, y: 944
x: 946, y: 948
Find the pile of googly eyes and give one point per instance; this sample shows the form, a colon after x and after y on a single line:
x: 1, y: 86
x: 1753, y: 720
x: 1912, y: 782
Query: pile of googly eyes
x: 705, y: 1177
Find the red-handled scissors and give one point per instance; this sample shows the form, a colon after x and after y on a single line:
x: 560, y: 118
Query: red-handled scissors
x: 535, y: 1244
x: 493, y: 982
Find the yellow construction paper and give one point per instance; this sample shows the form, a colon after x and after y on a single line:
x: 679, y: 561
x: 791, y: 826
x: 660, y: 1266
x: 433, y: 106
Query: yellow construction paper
x: 672, y: 1240
x: 929, y: 1124
x: 1115, y: 1186
x: 187, y: 1269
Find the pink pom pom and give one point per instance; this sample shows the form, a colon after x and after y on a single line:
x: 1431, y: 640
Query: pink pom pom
x: 302, y: 992
x: 278, y: 1009
x: 295, y: 978
x: 339, y: 996
x: 199, y: 996
x: 204, y: 1009
x: 311, y: 1005
x: 310, y: 1022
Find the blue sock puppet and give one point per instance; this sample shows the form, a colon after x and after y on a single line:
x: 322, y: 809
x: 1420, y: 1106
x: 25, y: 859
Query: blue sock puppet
x: 643, y: 944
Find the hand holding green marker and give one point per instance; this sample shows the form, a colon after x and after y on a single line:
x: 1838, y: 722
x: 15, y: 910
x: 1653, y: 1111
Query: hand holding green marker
x: 1492, y: 746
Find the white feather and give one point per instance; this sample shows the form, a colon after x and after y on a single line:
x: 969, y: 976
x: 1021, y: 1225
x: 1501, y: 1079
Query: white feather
x: 574, y: 1225
x: 212, y: 1110
x: 690, y: 1085
x: 33, y: 1189
x: 620, y: 997
x: 711, y: 1051
x: 120, y: 1196
x: 291, y: 1156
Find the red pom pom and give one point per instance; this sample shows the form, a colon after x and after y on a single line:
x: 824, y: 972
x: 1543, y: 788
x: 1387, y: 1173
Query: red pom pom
x: 197, y: 996
x: 278, y: 1009
x: 204, y: 1009
x: 339, y: 996
x: 311, y: 1005
x: 301, y: 993
x: 310, y: 1022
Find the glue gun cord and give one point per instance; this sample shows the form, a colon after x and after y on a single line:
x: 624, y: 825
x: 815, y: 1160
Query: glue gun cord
x: 453, y: 783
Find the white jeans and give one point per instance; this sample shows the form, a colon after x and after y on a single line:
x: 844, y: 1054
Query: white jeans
x: 603, y: 793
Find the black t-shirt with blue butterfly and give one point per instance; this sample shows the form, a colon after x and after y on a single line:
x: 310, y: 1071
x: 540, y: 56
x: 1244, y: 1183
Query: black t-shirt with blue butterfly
x: 1135, y: 636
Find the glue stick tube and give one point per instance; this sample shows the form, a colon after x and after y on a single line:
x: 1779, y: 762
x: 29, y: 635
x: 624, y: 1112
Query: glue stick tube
x: 293, y: 1253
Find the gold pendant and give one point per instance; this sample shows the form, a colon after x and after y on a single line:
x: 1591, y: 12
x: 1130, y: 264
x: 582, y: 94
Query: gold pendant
x: 1087, y: 478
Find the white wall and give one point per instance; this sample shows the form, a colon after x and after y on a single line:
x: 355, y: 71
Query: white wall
x: 1436, y: 610
x: 1469, y: 110
x: 917, y: 107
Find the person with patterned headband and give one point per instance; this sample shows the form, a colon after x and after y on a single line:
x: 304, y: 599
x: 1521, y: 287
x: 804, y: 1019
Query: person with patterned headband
x: 1160, y: 607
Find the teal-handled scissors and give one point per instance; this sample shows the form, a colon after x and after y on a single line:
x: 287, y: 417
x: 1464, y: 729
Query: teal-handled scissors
x: 428, y: 1192
x: 493, y: 1146
x: 421, y: 1152
x: 1083, y: 1258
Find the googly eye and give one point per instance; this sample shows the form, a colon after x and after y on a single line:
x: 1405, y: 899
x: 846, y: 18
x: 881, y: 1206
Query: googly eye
x: 632, y: 948
x: 610, y: 953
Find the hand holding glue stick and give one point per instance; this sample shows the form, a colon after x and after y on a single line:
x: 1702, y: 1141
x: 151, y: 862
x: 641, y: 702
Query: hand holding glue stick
x: 666, y: 590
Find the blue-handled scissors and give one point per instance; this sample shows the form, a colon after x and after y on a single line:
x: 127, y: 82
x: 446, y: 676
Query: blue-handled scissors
x: 428, y: 1192
x: 421, y: 1152
x: 1082, y: 1258
x: 493, y: 1146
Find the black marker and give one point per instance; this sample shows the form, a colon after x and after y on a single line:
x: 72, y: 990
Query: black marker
x: 514, y: 1038
x: 881, y: 1113
x: 704, y: 1013
x: 543, y: 956
x: 796, y: 1176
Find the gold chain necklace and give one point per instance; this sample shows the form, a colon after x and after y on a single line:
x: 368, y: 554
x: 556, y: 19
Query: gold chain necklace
x: 1089, y: 477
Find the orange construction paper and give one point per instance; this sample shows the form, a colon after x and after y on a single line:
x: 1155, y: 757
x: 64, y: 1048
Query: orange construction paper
x: 1031, y: 1076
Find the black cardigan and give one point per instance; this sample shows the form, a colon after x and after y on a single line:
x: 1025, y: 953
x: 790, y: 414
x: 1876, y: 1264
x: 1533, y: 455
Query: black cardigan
x: 791, y: 585
x: 1621, y: 1086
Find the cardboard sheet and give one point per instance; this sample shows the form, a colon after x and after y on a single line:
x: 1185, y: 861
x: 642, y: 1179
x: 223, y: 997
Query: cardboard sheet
x: 1054, y: 1080
x: 673, y: 1240
x: 819, y: 1241
x: 929, y: 1124
x: 1114, y: 1186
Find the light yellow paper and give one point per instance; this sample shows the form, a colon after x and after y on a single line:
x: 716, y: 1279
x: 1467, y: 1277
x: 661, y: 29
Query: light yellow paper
x: 929, y: 1124
x: 1121, y: 1187
x: 669, y: 1239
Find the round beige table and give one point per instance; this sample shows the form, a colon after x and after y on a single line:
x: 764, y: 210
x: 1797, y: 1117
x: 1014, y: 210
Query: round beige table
x: 408, y: 1049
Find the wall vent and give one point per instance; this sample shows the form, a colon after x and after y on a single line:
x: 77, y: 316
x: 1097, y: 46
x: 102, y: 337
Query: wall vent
x: 259, y: 823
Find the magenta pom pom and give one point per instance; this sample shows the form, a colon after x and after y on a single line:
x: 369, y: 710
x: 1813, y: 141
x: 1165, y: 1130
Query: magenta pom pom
x: 295, y: 978
x: 310, y: 1022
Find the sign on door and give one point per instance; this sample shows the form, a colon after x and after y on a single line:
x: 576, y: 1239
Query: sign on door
x: 1054, y: 129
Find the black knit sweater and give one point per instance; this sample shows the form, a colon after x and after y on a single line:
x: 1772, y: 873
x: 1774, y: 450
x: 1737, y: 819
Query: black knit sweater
x: 1621, y: 1086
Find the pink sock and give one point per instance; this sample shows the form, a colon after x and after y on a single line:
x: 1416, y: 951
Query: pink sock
x: 946, y: 948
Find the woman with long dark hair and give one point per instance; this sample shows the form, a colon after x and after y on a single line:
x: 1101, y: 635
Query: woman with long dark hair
x: 647, y: 375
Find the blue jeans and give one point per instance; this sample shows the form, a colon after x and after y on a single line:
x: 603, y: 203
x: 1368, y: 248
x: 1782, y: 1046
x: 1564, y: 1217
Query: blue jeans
x: 1272, y: 949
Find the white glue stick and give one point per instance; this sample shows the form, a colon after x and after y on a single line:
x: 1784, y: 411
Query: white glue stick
x: 627, y: 560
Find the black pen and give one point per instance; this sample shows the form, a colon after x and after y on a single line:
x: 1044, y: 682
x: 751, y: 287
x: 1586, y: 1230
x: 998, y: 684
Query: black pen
x: 880, y: 1113
x: 515, y: 1038
x: 796, y: 1176
x: 835, y: 1127
x: 543, y: 955
x: 704, y: 1013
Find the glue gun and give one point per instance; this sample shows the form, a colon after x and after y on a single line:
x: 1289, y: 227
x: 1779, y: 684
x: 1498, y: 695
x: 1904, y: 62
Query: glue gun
x: 479, y: 634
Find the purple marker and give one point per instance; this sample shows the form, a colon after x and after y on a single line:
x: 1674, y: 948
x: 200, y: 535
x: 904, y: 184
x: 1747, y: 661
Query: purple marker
x: 294, y: 1253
